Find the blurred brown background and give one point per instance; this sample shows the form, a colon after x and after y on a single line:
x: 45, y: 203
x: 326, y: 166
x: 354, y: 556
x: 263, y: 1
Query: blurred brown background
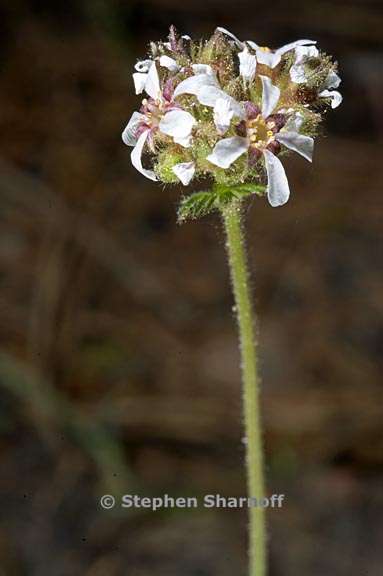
x: 118, y: 362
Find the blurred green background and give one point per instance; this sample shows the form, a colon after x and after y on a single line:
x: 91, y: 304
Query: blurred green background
x: 118, y: 358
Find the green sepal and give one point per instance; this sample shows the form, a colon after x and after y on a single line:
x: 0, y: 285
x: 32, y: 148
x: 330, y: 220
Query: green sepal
x: 201, y: 204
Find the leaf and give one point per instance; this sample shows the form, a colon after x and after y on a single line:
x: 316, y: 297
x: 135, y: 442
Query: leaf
x: 246, y: 189
x: 226, y: 194
x: 196, y: 205
x: 202, y: 203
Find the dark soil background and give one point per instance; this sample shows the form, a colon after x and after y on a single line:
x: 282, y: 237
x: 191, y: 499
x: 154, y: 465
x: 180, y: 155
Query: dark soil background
x: 118, y: 357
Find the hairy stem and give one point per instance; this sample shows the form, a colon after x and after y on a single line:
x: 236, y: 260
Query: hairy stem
x: 254, y: 451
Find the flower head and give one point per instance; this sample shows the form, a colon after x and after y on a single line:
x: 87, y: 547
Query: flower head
x: 227, y: 109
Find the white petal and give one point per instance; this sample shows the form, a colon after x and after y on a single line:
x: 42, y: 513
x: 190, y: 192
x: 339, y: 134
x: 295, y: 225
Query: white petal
x: 169, y: 63
x: 294, y: 122
x: 304, y: 52
x: 152, y: 85
x: 203, y: 86
x: 248, y: 64
x: 223, y: 115
x: 129, y: 134
x: 236, y: 107
x: 185, y: 141
x: 292, y: 45
x: 332, y: 80
x: 227, y: 33
x: 336, y: 97
x: 143, y: 65
x: 184, y: 171
x: 139, y: 79
x: 253, y: 45
x: 227, y: 151
x: 178, y: 124
x: 278, y: 191
x: 225, y: 107
x: 203, y: 69
x: 268, y: 58
x: 298, y: 74
x: 136, y: 157
x: 270, y: 96
x: 303, y: 145
x: 194, y: 84
x: 209, y: 96
x: 206, y: 88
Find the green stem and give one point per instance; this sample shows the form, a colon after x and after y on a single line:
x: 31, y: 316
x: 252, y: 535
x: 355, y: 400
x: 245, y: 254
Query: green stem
x: 254, y: 451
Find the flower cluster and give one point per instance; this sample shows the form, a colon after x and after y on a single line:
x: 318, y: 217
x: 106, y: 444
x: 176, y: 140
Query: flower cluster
x: 227, y: 110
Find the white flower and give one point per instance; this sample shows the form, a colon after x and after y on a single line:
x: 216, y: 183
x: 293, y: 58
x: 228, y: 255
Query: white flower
x: 144, y: 66
x: 264, y: 55
x: 302, y: 54
x: 205, y: 86
x: 148, y: 80
x: 272, y: 58
x: 158, y: 113
x: 299, y: 75
x: 261, y: 133
x: 335, y: 97
x: 332, y: 81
